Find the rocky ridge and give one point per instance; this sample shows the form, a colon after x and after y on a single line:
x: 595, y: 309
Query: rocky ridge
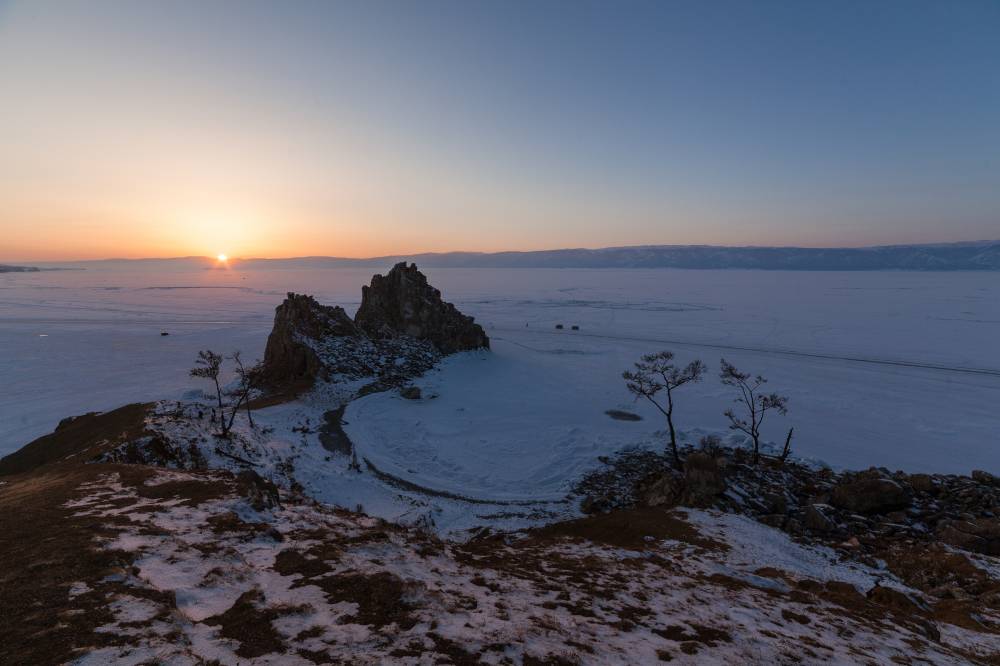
x: 936, y: 532
x: 403, y: 303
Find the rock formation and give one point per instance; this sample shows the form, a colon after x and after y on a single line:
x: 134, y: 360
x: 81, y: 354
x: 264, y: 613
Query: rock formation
x: 403, y: 303
x: 289, y: 356
x: 870, y: 494
x: 400, y: 331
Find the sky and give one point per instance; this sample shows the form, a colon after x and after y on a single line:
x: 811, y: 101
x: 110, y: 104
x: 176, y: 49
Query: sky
x: 138, y: 129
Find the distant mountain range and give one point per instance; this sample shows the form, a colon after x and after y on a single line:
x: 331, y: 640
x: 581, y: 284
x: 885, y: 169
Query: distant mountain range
x: 969, y: 256
x: 942, y: 257
x: 17, y: 269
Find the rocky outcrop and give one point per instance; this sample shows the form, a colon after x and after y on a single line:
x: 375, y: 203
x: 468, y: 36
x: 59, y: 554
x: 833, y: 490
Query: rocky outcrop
x: 978, y: 535
x: 704, y: 480
x: 289, y: 355
x: 403, y: 303
x: 662, y: 489
x: 700, y: 483
x: 400, y: 331
x: 819, y: 518
x: 870, y: 495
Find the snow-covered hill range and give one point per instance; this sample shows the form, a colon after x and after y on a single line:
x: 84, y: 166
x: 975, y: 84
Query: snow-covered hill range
x: 349, y: 522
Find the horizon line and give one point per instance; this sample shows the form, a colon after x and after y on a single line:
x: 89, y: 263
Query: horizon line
x: 501, y: 252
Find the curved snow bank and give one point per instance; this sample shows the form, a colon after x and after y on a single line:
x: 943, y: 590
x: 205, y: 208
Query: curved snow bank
x: 515, y: 424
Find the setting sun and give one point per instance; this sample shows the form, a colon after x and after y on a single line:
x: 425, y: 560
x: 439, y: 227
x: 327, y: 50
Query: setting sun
x: 222, y: 257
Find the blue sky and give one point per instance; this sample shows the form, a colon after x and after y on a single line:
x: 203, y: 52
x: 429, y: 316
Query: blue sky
x: 379, y: 127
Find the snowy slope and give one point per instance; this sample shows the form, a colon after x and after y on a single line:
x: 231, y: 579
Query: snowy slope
x: 211, y: 579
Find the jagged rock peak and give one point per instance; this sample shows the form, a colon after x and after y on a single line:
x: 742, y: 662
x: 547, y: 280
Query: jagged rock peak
x: 287, y: 356
x: 403, y: 303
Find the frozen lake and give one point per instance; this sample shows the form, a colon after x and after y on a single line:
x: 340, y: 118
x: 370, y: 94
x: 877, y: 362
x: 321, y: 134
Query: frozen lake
x: 895, y: 369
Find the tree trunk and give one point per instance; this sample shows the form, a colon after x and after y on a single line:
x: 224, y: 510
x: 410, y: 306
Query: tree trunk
x: 670, y: 425
x: 232, y: 417
x: 788, y: 445
x: 222, y: 411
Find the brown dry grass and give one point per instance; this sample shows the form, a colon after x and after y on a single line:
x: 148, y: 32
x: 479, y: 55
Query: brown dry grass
x: 85, y: 436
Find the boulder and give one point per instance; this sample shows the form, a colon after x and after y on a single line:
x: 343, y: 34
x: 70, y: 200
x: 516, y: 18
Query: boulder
x: 593, y: 505
x: 703, y: 480
x: 893, y: 598
x: 403, y: 303
x: 869, y: 494
x: 774, y: 503
x: 776, y: 520
x: 980, y: 535
x: 923, y: 483
x: 410, y: 392
x: 660, y: 489
x: 818, y: 518
x: 289, y: 356
x: 985, y: 478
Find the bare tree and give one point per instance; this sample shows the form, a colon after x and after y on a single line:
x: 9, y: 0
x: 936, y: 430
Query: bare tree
x: 657, y: 372
x: 755, y: 403
x: 250, y: 379
x: 207, y: 366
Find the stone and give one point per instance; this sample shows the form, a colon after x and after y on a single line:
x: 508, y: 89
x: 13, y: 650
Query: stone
x: 703, y: 480
x: 869, y: 494
x: 893, y: 598
x: 403, y: 303
x: 261, y: 493
x: 817, y: 518
x: 775, y: 503
x: 979, y: 535
x: 661, y: 489
x: 776, y: 520
x: 410, y: 392
x: 907, y: 606
x: 922, y: 483
x: 985, y: 478
x: 288, y: 357
x: 591, y: 505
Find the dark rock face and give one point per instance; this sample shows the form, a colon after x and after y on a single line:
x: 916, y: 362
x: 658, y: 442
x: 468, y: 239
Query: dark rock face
x: 401, y: 330
x: 816, y: 517
x: 986, y: 478
x: 922, y: 483
x: 661, y: 489
x: 288, y: 355
x: 403, y: 303
x: 979, y: 535
x: 703, y: 480
x: 870, y: 495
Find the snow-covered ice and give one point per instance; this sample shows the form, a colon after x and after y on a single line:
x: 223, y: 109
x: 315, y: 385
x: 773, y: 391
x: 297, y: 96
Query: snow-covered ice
x: 894, y: 369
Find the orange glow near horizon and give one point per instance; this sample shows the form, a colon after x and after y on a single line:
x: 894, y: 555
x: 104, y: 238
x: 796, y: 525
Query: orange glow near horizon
x: 144, y: 130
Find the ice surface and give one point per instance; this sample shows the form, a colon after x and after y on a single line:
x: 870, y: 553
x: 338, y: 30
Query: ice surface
x: 849, y: 348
